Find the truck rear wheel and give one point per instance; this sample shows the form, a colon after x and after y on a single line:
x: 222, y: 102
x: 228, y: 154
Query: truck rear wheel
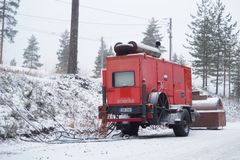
x: 130, y: 129
x: 182, y: 129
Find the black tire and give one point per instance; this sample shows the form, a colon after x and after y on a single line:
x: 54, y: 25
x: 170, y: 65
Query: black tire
x: 182, y: 130
x: 130, y: 129
x: 160, y: 111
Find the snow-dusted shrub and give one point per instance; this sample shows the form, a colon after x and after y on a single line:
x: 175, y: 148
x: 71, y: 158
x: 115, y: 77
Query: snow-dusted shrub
x: 9, y: 130
x: 67, y: 100
x: 232, y: 109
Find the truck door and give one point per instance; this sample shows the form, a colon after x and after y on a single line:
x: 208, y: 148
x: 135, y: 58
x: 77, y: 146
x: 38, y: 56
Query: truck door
x: 179, y: 85
x: 123, y: 86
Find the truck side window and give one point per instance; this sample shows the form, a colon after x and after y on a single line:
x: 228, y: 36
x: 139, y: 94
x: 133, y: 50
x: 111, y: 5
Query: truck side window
x: 123, y: 79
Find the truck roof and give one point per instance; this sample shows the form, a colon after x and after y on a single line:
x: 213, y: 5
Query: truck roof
x: 144, y: 55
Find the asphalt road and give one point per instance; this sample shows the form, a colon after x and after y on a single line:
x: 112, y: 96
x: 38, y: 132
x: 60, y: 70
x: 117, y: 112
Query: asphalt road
x: 199, y: 145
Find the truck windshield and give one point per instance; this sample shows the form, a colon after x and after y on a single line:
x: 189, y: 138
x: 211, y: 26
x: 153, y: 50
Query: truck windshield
x: 123, y: 79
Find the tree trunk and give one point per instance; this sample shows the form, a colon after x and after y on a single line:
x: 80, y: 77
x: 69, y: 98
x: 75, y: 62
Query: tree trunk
x: 238, y: 80
x: 203, y: 78
x: 206, y: 76
x: 204, y: 61
x: 224, y: 80
x: 229, y: 79
x: 217, y: 78
x: 2, y: 33
x: 72, y: 60
x: 224, y: 71
x: 229, y: 76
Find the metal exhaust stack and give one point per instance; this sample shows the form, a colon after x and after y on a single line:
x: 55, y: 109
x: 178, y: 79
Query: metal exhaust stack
x: 133, y: 47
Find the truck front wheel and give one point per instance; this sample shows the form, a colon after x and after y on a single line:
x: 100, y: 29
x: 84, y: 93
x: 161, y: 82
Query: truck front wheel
x: 182, y: 129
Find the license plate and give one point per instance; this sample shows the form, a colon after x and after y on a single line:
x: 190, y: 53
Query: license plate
x: 125, y: 109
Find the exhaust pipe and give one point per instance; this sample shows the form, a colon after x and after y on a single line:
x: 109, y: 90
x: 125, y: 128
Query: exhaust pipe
x: 133, y: 47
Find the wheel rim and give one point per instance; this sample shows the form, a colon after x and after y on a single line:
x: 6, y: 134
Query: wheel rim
x: 163, y: 101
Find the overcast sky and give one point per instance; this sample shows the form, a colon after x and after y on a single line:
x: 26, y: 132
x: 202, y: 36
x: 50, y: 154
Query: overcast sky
x: 96, y: 20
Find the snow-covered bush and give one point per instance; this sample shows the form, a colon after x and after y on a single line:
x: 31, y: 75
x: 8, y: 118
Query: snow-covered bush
x: 8, y: 129
x: 45, y: 102
x: 232, y: 108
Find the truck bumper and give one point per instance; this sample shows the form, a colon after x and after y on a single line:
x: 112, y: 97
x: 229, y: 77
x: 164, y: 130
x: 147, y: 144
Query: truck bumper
x: 135, y: 113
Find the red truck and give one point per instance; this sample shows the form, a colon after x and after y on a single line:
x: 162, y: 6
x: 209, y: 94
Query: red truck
x: 140, y: 89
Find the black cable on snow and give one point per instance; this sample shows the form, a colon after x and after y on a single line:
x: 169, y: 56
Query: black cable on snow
x: 65, y: 136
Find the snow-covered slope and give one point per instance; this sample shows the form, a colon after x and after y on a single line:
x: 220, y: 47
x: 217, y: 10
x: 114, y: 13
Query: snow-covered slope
x: 70, y: 99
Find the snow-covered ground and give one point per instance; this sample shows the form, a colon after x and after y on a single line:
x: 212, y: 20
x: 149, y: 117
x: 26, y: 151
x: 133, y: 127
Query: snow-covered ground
x: 199, y: 145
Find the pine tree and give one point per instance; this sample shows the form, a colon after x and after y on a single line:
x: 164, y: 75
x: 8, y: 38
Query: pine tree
x: 201, y: 40
x: 63, y: 53
x: 31, y: 58
x: 100, y: 61
x: 236, y: 73
x: 212, y: 43
x: 217, y: 69
x: 13, y: 62
x: 175, y: 58
x: 8, y: 10
x: 110, y: 53
x: 152, y: 35
x: 225, y: 38
x: 227, y: 63
x: 181, y: 60
x: 230, y: 42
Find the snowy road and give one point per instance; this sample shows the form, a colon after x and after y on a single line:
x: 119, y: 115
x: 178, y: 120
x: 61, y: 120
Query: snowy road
x: 200, y: 145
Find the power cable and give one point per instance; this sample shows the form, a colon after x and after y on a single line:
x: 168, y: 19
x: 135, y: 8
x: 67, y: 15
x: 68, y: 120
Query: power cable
x: 104, y: 10
x: 108, y: 11
x: 44, y: 18
x: 31, y: 29
x: 52, y: 33
x: 113, y: 12
x: 81, y: 22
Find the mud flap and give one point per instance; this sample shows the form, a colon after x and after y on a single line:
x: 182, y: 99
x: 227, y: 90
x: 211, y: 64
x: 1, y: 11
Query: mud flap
x: 194, y: 114
x: 103, y: 116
